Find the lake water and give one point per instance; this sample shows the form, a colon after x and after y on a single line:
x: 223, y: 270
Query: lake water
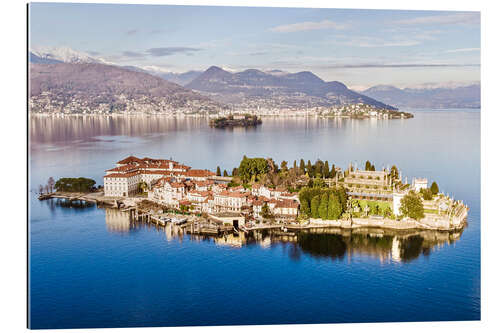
x: 91, y: 267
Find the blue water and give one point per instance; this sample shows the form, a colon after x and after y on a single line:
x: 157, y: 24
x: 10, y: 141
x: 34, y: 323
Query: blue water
x: 89, y: 270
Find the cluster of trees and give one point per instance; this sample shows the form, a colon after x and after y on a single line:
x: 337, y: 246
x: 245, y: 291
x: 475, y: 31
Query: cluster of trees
x: 324, y: 203
x: 369, y: 166
x: 229, y: 121
x: 251, y: 168
x: 266, y: 171
x: 428, y: 193
x: 320, y: 169
x: 219, y: 173
x: 80, y: 184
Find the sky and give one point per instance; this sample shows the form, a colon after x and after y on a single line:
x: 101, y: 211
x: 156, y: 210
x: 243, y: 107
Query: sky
x: 360, y: 48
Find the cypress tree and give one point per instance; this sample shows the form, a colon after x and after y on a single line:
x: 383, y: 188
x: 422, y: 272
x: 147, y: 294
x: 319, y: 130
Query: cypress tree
x: 434, y: 188
x: 310, y: 169
x: 323, y: 206
x: 333, y: 173
x: 326, y: 170
x: 368, y: 166
x: 225, y: 173
x: 218, y: 171
x: 334, y: 208
x: 305, y: 208
x: 315, y: 206
x: 302, y: 166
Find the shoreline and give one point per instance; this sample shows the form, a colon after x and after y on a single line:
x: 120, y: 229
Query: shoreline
x: 174, y: 116
x: 353, y: 224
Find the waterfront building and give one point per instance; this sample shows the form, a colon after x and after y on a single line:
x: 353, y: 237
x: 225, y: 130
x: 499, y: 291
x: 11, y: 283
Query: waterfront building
x: 230, y: 201
x: 122, y: 184
x: 124, y: 179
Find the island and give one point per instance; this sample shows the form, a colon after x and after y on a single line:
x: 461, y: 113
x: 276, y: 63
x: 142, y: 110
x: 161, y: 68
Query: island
x: 363, y: 111
x: 260, y: 194
x: 230, y: 121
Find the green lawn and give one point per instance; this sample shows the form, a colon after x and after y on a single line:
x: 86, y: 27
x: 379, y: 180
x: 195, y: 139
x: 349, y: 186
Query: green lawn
x: 382, y: 204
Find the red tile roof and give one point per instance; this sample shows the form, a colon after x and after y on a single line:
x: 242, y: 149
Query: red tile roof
x: 129, y: 159
x: 199, y: 173
x: 286, y: 203
x: 122, y: 175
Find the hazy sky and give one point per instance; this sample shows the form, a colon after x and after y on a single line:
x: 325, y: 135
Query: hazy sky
x: 358, y: 47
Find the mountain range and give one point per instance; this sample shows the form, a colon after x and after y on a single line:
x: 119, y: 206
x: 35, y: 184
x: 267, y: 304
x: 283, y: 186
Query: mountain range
x: 250, y: 88
x: 468, y: 96
x: 276, y: 89
x: 90, y: 85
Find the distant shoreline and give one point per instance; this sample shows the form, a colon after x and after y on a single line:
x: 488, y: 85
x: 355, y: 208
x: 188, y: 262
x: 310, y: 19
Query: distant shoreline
x: 173, y: 116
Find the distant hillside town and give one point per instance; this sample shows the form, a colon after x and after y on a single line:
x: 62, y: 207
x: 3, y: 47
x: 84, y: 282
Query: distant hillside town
x: 101, y: 89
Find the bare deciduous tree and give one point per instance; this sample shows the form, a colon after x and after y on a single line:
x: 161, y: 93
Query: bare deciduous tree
x: 51, y: 182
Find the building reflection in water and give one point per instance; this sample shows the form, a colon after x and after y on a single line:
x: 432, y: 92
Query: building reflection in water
x: 321, y: 243
x: 117, y: 221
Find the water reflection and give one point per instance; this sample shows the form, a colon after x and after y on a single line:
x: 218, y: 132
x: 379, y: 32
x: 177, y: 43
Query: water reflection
x: 65, y: 203
x: 320, y: 243
x: 117, y: 221
x: 89, y: 130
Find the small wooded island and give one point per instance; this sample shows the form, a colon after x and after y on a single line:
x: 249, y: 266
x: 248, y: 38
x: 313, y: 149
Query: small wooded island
x: 236, y: 121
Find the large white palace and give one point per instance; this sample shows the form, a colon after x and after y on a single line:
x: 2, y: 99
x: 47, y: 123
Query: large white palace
x: 124, y: 179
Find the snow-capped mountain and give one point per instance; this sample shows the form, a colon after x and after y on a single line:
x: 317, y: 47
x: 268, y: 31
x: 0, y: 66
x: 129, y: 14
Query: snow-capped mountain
x: 63, y: 54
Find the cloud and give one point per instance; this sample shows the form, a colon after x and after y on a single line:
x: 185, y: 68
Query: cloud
x: 132, y: 54
x: 456, y: 18
x: 332, y: 64
x: 166, y: 51
x: 408, y: 65
x: 371, y: 42
x: 306, y: 26
x: 471, y: 49
x: 131, y: 32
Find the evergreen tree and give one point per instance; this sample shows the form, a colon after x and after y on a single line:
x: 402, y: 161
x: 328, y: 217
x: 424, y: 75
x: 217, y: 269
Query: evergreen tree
x: 326, y: 170
x: 342, y: 195
x: 334, y: 207
x: 394, y: 172
x: 284, y: 166
x: 226, y: 174
x: 318, y: 168
x: 323, y: 206
x: 333, y: 173
x: 434, y: 188
x: 315, y: 206
x: 305, y: 208
x: 302, y: 166
x: 368, y: 166
x: 218, y: 171
x: 235, y: 172
x: 309, y: 168
x: 295, y: 165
